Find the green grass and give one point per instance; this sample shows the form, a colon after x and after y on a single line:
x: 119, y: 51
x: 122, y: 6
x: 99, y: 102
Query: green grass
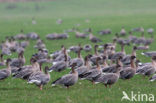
x: 103, y: 14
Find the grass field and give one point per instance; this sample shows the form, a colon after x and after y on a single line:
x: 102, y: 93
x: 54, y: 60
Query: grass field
x: 103, y: 14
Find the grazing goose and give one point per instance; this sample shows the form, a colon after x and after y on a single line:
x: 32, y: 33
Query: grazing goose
x: 68, y: 79
x: 93, y: 74
x: 93, y: 38
x: 18, y: 62
x: 148, y: 69
x: 129, y: 72
x: 2, y: 62
x: 4, y: 73
x: 40, y: 79
x: 149, y: 54
x: 79, y: 60
x: 25, y: 71
x: 123, y: 32
x: 109, y: 78
x: 153, y: 78
x: 87, y: 48
x: 60, y: 66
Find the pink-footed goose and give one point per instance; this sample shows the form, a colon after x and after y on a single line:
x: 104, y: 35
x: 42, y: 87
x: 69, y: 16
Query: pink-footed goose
x: 68, y: 79
x: 4, y: 73
x: 40, y: 79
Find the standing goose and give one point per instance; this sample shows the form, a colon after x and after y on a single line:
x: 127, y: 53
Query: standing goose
x: 96, y: 55
x: 68, y: 79
x: 60, y: 66
x: 127, y: 58
x: 93, y: 74
x: 112, y: 68
x: 79, y: 60
x: 93, y: 38
x: 149, y: 68
x: 129, y: 72
x: 25, y: 71
x: 109, y: 78
x: 40, y: 79
x: 18, y: 62
x: 118, y: 54
x: 123, y: 32
x: 4, y: 73
x: 83, y: 69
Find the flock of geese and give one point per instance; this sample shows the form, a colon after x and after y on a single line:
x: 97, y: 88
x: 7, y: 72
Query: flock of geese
x: 105, y: 66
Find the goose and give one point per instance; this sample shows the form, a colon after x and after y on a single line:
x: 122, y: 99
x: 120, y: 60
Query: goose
x: 68, y: 79
x: 95, y: 56
x: 143, y: 47
x: 127, y: 58
x: 87, y: 48
x: 20, y: 36
x: 148, y: 69
x: 40, y: 78
x: 83, y: 69
x: 148, y: 41
x: 60, y: 66
x: 62, y: 36
x: 153, y: 78
x: 51, y: 36
x: 149, y: 54
x: 75, y: 48
x: 24, y: 44
x: 112, y: 45
x: 150, y: 31
x: 57, y: 53
x: 111, y: 68
x: 4, y: 73
x: 93, y: 74
x: 59, y: 21
x: 123, y: 32
x: 109, y: 78
x: 2, y: 62
x: 129, y: 72
x: 104, y: 32
x: 34, y: 21
x: 79, y: 34
x: 79, y: 60
x: 25, y: 71
x: 32, y: 36
x: 116, y: 55
x: 93, y: 38
x: 18, y: 62
x: 61, y: 56
x: 40, y: 44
